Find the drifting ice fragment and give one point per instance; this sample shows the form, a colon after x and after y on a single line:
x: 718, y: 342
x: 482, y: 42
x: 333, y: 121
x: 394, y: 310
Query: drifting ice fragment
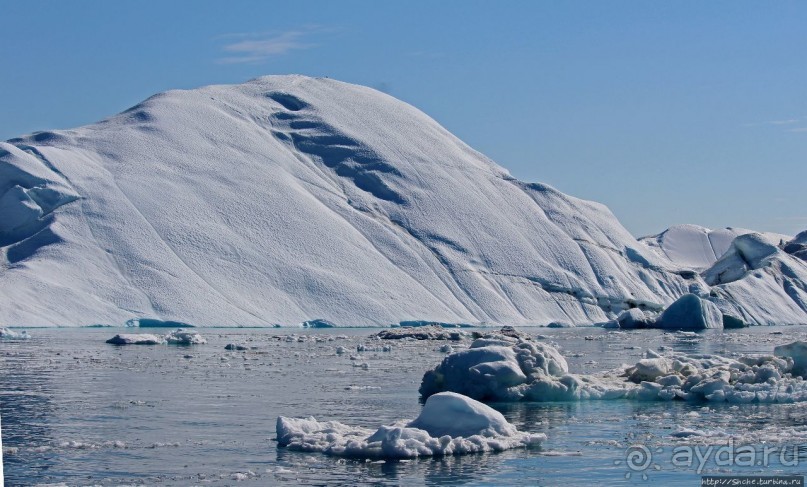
x: 449, y: 424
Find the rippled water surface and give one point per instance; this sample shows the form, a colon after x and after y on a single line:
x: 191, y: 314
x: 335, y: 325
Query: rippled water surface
x: 80, y: 412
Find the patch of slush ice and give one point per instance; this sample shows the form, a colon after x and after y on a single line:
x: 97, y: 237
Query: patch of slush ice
x: 538, y: 372
x: 449, y: 424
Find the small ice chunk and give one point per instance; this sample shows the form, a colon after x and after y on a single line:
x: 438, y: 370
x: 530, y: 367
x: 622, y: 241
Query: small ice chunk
x: 690, y: 312
x: 318, y: 323
x: 184, y: 337
x: 798, y: 352
x: 687, y: 433
x: 428, y: 332
x: 7, y: 334
x: 136, y: 339
x: 649, y: 369
x: 634, y: 319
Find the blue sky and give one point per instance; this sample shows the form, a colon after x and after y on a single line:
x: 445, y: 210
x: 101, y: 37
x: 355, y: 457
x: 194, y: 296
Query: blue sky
x: 668, y: 112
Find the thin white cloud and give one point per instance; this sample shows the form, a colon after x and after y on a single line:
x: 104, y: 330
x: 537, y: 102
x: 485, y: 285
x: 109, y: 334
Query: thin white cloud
x: 254, y: 48
x: 784, y: 124
x: 789, y: 121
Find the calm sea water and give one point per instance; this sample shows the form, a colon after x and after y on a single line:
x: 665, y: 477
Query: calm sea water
x: 80, y: 412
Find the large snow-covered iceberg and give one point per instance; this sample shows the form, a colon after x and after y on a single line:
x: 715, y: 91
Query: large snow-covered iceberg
x: 449, y: 424
x: 289, y: 198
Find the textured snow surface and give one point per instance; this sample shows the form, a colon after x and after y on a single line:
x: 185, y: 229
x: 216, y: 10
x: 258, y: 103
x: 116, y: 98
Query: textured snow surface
x: 289, y: 200
x: 758, y: 282
x: 697, y: 248
x: 449, y: 424
x: 528, y: 371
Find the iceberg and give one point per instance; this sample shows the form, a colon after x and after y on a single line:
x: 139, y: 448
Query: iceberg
x: 427, y: 332
x: 136, y: 339
x: 634, y: 318
x: 449, y: 424
x: 176, y: 337
x: 8, y: 334
x: 184, y: 337
x: 796, y: 351
x: 689, y: 312
x: 289, y: 198
x: 757, y: 282
x: 525, y: 372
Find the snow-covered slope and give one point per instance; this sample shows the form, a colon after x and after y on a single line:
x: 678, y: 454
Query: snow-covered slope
x: 760, y: 283
x: 798, y: 246
x: 289, y: 198
x: 695, y: 247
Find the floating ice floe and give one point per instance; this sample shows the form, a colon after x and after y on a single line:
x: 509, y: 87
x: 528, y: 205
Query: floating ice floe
x: 183, y: 337
x: 176, y: 337
x: 508, y: 332
x: 8, y: 334
x: 318, y: 323
x: 449, y: 424
x: 136, y: 339
x: 537, y: 372
x: 428, y: 332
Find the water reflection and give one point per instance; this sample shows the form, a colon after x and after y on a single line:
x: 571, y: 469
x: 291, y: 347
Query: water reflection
x: 26, y: 407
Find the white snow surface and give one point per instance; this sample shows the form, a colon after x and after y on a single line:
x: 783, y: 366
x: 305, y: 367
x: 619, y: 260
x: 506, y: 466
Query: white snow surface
x: 449, y: 424
x: 289, y: 199
x: 528, y: 371
x: 758, y: 282
x: 696, y: 247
